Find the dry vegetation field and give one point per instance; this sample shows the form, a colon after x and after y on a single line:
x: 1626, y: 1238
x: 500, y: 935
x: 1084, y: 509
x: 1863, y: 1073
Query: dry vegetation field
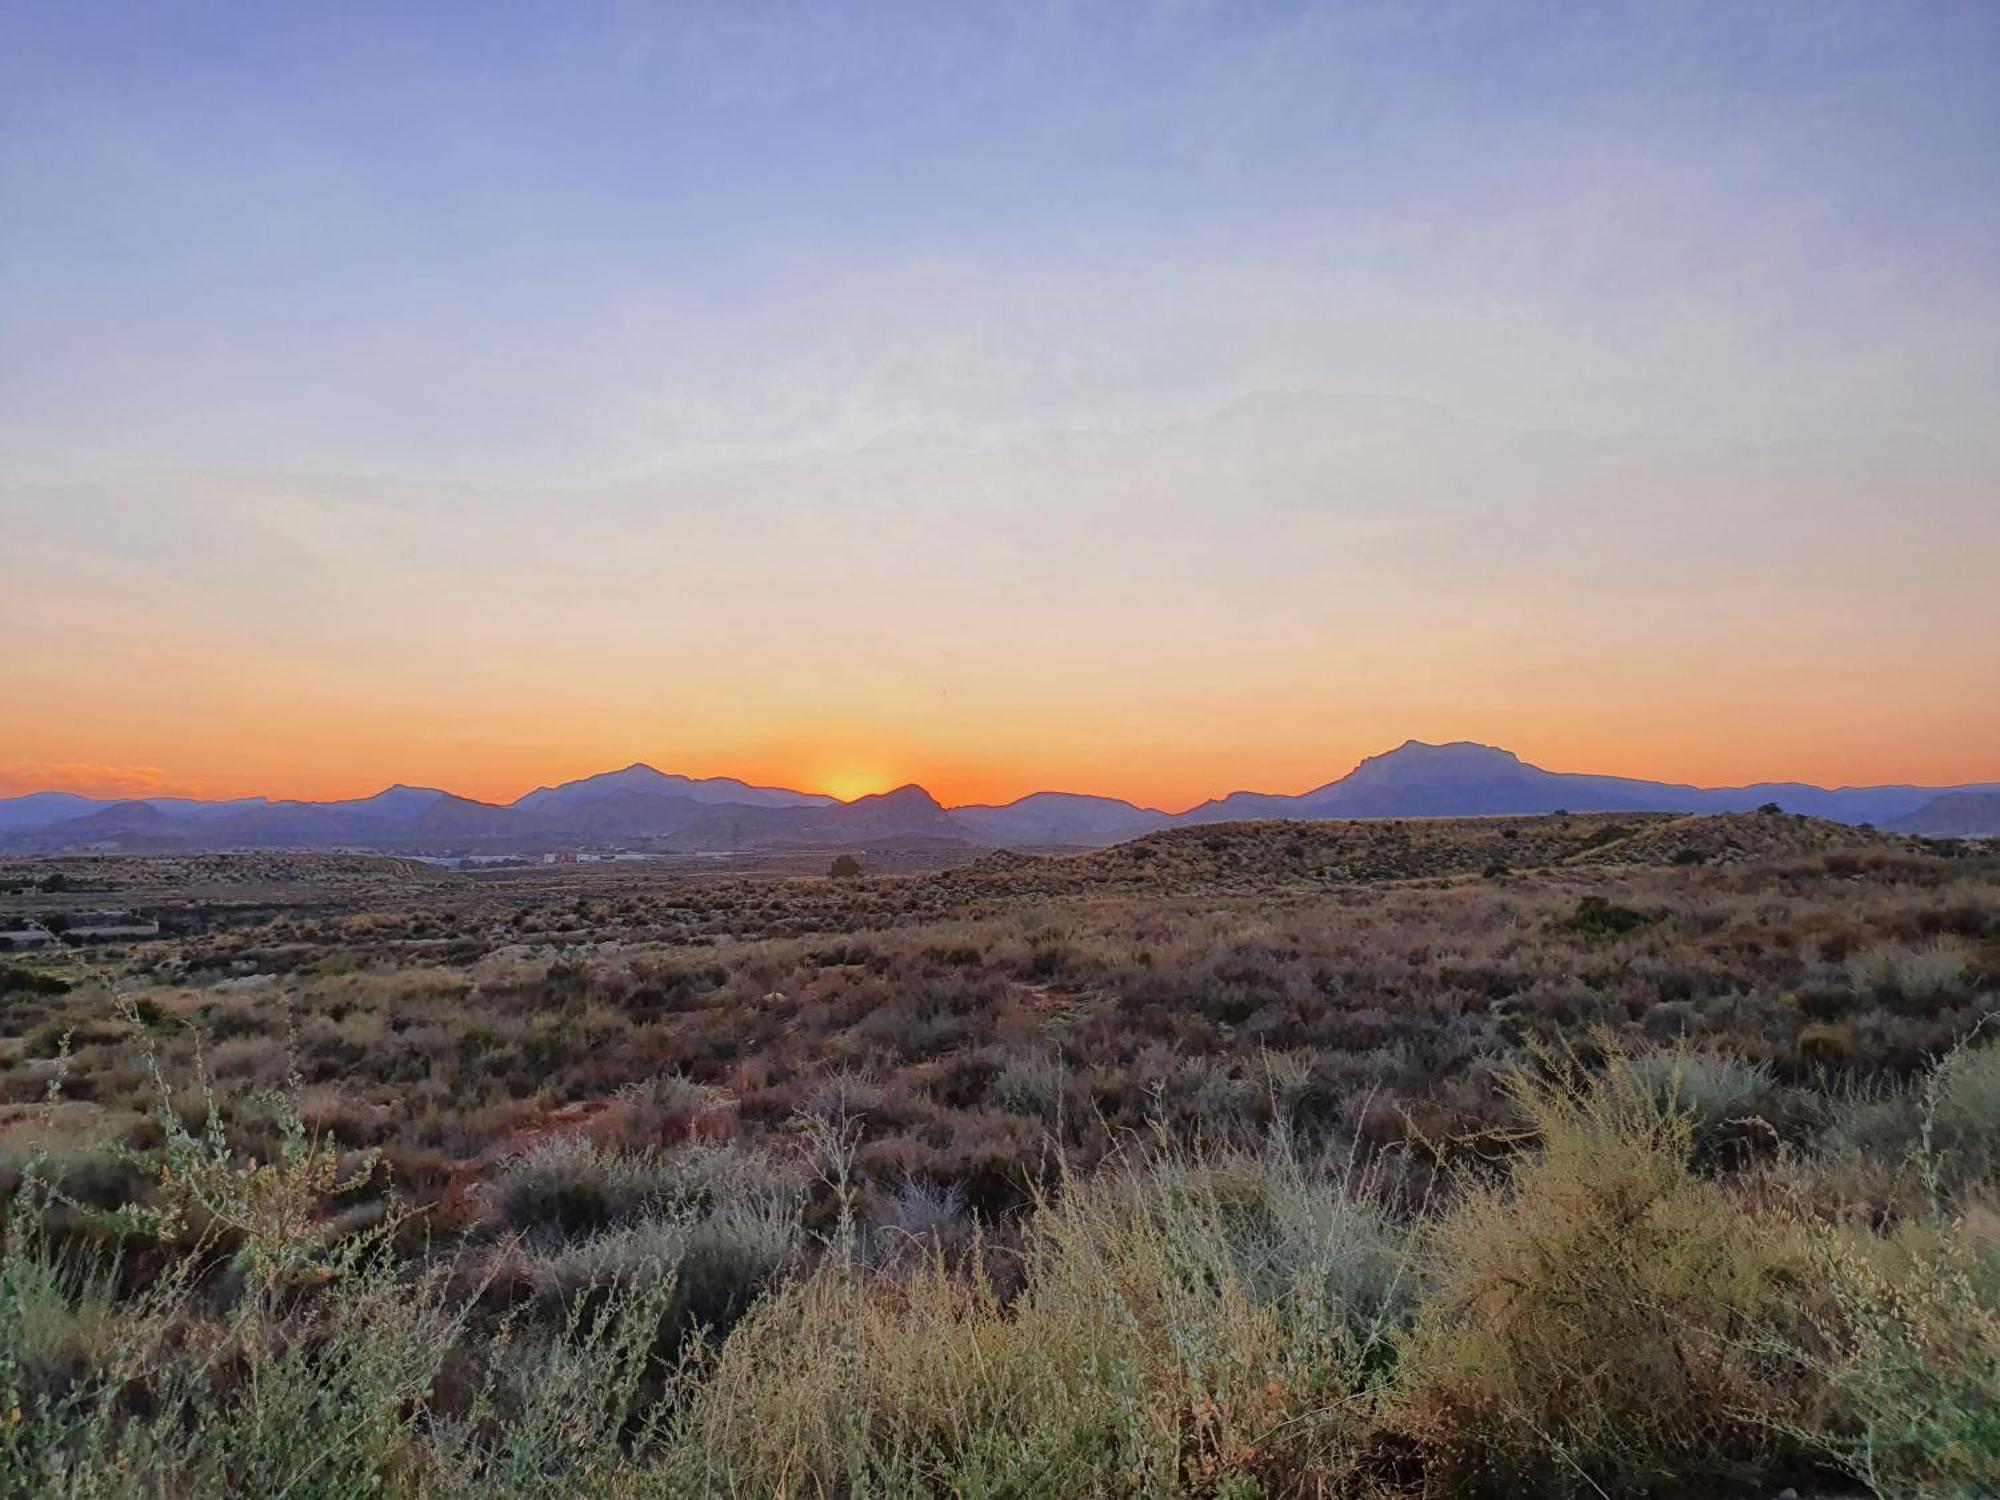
x: 1594, y: 1155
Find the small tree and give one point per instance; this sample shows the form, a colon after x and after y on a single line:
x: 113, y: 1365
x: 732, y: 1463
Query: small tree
x: 843, y: 866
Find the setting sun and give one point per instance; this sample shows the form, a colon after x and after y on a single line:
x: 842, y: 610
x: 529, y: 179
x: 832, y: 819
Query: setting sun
x: 847, y: 785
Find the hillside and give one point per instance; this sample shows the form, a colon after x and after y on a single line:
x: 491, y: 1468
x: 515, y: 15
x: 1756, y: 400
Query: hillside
x: 1261, y: 855
x: 1733, y: 838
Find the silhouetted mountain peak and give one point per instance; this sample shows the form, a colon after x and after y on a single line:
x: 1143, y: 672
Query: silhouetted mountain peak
x: 1455, y: 754
x: 132, y: 816
x: 909, y: 795
x: 402, y: 798
x: 639, y: 778
x: 1420, y: 760
x: 638, y: 774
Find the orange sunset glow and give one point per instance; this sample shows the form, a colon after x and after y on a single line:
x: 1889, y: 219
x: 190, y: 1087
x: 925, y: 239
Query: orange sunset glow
x: 1287, y: 726
x: 306, y: 643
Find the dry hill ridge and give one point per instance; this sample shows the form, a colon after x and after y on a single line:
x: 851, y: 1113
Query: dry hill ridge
x: 1260, y: 854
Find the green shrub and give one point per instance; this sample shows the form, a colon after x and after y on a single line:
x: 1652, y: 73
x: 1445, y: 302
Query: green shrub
x: 1868, y: 1119
x: 303, y: 1386
x: 282, y: 1396
x: 1602, y: 920
x: 18, y: 980
x: 1907, y: 1343
x: 564, y: 1411
x: 1964, y: 1103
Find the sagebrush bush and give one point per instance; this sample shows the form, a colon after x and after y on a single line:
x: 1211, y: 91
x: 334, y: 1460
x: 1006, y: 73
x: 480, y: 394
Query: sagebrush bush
x: 1710, y: 1088
x: 1927, y: 971
x: 1031, y: 1084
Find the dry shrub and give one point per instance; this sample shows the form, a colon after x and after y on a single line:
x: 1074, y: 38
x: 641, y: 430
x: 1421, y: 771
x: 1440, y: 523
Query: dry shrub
x: 1589, y: 1313
x: 1183, y: 1330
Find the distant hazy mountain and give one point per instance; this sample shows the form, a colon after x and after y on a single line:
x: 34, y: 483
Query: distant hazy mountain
x: 397, y: 803
x: 356, y: 820
x: 449, y: 817
x: 1420, y: 780
x: 39, y: 809
x: 643, y: 780
x: 1955, y: 815
x: 642, y: 805
x: 194, y: 807
x: 906, y: 813
x: 120, y: 817
x: 1057, y: 818
x: 1463, y: 779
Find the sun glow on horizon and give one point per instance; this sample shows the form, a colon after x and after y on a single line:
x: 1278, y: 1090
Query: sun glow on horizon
x: 849, y: 784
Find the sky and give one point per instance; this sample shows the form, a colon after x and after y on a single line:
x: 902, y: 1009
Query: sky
x: 1153, y: 400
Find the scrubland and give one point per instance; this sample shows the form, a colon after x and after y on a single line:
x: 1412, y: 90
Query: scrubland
x: 1573, y: 1156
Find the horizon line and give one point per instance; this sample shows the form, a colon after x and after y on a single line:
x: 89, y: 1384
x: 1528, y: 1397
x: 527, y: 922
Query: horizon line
x: 891, y: 785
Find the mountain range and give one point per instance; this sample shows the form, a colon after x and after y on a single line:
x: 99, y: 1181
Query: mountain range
x: 645, y: 808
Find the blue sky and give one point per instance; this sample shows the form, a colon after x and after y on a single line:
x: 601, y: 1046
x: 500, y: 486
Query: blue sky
x: 571, y: 239
x: 387, y: 362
